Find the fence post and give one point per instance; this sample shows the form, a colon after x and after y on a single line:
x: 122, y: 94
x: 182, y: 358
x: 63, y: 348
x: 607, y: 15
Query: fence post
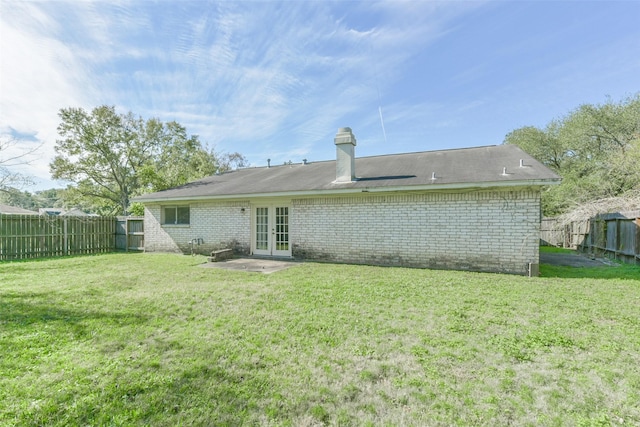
x: 618, y: 245
x: 637, y: 231
x: 65, y: 238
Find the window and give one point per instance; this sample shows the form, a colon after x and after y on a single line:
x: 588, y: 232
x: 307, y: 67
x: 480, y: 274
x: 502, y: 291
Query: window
x: 175, y: 215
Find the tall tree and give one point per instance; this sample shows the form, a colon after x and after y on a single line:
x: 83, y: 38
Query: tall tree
x: 111, y: 157
x: 229, y: 161
x: 180, y: 158
x: 595, y: 148
x: 100, y: 152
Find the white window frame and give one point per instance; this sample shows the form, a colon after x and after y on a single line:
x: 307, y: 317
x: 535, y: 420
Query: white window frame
x: 176, y: 216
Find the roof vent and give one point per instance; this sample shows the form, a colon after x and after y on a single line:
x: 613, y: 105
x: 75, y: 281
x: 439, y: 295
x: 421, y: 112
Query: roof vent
x: 268, y: 163
x: 504, y: 172
x: 345, y: 155
x: 433, y: 176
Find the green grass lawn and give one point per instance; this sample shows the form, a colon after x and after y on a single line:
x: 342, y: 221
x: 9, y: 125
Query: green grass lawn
x: 153, y: 339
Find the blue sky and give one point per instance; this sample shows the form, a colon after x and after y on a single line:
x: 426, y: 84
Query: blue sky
x: 276, y: 79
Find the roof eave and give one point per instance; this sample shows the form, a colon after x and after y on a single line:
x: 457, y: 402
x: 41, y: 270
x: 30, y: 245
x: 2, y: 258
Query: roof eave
x: 352, y: 190
x: 467, y: 185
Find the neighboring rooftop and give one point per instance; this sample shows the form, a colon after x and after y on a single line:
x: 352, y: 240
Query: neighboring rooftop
x: 13, y: 210
x: 490, y: 166
x: 61, y: 212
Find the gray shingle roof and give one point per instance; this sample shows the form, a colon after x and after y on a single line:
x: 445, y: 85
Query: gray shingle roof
x: 457, y: 168
x: 13, y: 210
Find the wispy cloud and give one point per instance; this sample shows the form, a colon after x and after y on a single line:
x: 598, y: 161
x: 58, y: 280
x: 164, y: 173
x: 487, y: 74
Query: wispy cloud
x: 38, y: 75
x: 257, y: 77
x: 271, y: 79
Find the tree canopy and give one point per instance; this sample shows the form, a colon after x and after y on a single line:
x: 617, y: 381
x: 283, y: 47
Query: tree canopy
x: 111, y: 157
x: 595, y: 149
x: 52, y: 198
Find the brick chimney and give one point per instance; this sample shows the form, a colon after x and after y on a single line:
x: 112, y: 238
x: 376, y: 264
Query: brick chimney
x: 345, y: 155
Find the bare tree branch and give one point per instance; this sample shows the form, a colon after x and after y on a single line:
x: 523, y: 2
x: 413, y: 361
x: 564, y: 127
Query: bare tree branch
x: 11, y: 157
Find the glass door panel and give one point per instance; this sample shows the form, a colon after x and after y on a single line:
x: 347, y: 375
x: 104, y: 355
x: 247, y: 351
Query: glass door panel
x: 262, y: 235
x: 282, y: 231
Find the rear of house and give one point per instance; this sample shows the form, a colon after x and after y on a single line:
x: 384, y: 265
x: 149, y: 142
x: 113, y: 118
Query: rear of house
x: 467, y: 209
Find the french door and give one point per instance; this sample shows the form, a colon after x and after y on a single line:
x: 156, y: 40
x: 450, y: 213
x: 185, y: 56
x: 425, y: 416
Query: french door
x: 271, y: 231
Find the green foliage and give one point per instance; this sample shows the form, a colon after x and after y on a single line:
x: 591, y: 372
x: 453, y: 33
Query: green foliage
x: 155, y: 339
x: 22, y: 199
x: 100, y: 152
x: 595, y: 148
x: 180, y: 158
x: 112, y: 157
x: 52, y: 198
x: 136, y: 209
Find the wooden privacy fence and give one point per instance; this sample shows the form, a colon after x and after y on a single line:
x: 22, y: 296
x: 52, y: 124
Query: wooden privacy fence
x: 37, y: 236
x: 616, y: 235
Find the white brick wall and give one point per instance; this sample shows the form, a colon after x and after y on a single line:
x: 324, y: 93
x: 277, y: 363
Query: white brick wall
x: 217, y: 224
x: 479, y: 230
x: 473, y: 230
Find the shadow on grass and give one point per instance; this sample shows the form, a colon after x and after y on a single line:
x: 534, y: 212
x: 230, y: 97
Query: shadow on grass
x: 231, y: 395
x: 5, y: 262
x: 630, y: 272
x: 28, y: 309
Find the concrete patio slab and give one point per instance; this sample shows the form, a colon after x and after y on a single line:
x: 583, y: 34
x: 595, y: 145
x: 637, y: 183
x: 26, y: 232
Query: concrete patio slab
x: 256, y: 265
x: 573, y: 260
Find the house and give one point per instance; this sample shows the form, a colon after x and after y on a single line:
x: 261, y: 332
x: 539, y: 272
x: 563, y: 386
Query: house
x: 12, y: 210
x: 467, y: 209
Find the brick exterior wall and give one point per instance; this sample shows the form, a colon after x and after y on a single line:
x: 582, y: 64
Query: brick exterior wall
x: 217, y: 225
x: 494, y: 231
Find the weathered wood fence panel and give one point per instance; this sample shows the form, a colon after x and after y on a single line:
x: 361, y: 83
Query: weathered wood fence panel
x: 130, y: 233
x: 552, y: 233
x: 616, y: 235
x: 135, y: 233
x: 37, y: 236
x: 629, y: 237
x: 121, y: 233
